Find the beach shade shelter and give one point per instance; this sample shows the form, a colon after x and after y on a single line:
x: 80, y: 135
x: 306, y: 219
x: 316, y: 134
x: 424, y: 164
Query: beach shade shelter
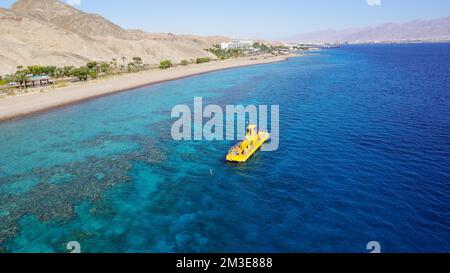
x: 41, y: 80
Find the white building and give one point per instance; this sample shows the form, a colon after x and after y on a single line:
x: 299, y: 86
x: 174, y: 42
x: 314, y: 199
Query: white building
x: 225, y: 46
x: 237, y: 45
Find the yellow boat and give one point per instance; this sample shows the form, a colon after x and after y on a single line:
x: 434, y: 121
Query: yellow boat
x: 245, y: 149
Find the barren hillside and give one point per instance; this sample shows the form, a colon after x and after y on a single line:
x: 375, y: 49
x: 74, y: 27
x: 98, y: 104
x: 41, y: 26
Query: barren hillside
x: 50, y: 32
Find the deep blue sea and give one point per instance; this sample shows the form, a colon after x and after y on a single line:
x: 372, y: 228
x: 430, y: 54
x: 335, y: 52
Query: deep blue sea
x: 364, y: 156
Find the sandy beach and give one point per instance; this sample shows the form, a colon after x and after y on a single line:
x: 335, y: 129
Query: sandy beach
x: 22, y: 105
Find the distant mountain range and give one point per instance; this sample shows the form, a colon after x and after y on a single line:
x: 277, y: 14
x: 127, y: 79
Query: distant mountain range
x: 418, y: 30
x: 50, y: 32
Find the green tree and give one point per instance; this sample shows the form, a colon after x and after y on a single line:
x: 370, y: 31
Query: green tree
x: 21, y: 76
x: 59, y: 72
x: 93, y: 74
x: 68, y: 71
x: 165, y: 64
x: 49, y: 70
x: 131, y: 67
x: 105, y: 67
x: 81, y: 73
x: 184, y: 62
x: 137, y: 60
x: 35, y: 70
x: 8, y: 78
x: 202, y: 60
x: 123, y: 60
x: 114, y: 63
x: 263, y: 47
x: 92, y: 65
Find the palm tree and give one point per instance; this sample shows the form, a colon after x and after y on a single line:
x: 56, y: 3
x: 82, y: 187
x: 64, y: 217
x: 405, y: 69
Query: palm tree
x: 21, y: 78
x: 123, y: 60
x: 114, y: 63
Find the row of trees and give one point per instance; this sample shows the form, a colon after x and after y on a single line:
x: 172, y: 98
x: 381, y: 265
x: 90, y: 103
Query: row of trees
x: 92, y: 70
x: 261, y: 48
x: 165, y: 64
x: 223, y: 54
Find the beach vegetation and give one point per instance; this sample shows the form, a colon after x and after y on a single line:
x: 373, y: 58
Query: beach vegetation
x: 114, y: 63
x: 165, y: 64
x: 137, y: 61
x: 123, y: 60
x: 268, y: 49
x: 184, y: 62
x: 104, y: 67
x: 59, y: 72
x: 92, y: 65
x: 67, y: 71
x: 263, y: 48
x: 41, y: 70
x: 132, y: 67
x: 135, y: 65
x: 236, y: 53
x: 81, y: 73
x: 223, y: 54
x: 96, y: 68
x: 49, y: 70
x: 202, y: 60
x: 7, y: 79
x: 21, y: 77
x: 93, y: 74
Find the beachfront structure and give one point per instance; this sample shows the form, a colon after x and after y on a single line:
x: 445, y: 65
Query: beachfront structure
x: 290, y: 46
x: 39, y: 80
x: 236, y: 45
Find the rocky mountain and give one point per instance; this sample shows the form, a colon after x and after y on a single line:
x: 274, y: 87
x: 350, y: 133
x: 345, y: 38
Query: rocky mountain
x: 50, y: 32
x: 422, y: 30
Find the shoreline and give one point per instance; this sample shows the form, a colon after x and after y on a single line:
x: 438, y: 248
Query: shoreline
x: 20, y: 106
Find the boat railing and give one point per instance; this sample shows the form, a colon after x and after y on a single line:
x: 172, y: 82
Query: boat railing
x: 234, y: 149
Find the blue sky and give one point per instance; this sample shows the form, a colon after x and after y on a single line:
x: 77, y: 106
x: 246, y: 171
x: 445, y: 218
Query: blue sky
x: 258, y: 18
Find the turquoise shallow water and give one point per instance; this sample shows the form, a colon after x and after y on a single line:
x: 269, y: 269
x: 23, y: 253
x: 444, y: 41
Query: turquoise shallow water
x: 365, y: 155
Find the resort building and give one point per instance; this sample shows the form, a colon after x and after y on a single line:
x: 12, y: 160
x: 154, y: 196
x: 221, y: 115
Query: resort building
x: 237, y: 45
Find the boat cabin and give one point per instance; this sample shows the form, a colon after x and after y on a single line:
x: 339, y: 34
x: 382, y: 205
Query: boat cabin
x: 252, y: 131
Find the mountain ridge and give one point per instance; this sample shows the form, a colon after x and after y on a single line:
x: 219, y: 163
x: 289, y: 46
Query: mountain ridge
x: 421, y: 30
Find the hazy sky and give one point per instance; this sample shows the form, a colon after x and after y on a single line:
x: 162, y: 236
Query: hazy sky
x: 258, y: 18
